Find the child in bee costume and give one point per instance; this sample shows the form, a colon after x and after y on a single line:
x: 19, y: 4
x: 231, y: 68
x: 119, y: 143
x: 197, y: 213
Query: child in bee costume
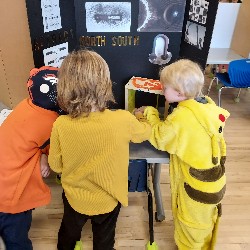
x: 24, y: 145
x: 193, y: 136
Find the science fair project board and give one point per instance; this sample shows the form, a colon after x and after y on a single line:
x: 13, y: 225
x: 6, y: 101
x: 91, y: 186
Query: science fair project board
x: 135, y: 37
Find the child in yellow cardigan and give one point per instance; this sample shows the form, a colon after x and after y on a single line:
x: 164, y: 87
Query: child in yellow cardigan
x: 193, y: 136
x: 90, y: 148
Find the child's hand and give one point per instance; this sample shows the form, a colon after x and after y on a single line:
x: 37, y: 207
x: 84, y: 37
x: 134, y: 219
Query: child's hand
x: 142, y: 108
x: 139, y: 111
x: 44, y: 166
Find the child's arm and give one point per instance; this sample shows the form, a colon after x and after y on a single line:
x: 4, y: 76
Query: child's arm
x: 140, y: 129
x: 55, y: 158
x: 163, y: 136
x: 44, y: 166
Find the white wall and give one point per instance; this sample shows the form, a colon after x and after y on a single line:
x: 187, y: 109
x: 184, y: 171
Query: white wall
x: 224, y: 25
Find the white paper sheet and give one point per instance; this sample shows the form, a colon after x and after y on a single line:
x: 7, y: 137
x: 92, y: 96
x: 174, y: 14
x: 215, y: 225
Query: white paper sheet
x: 54, y: 56
x: 51, y: 15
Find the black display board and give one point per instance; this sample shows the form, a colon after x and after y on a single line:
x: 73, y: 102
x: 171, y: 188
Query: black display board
x: 126, y: 40
x: 124, y: 33
x: 197, y: 31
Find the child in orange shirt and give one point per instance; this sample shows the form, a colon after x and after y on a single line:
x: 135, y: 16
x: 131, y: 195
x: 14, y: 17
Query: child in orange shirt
x: 24, y: 144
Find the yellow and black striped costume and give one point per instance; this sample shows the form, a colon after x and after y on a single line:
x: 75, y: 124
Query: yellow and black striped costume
x: 193, y: 136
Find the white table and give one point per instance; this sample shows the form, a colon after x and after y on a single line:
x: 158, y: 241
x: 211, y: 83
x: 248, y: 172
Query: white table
x: 154, y: 158
x: 222, y: 56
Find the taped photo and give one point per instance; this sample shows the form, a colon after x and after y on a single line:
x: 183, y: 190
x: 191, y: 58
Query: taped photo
x: 198, y: 11
x: 161, y: 15
x: 195, y: 34
x: 54, y: 56
x: 108, y: 16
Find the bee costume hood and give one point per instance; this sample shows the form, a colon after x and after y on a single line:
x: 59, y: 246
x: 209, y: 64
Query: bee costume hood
x: 212, y: 119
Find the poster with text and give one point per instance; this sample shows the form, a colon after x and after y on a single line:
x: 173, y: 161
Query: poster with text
x: 51, y: 15
x: 54, y: 56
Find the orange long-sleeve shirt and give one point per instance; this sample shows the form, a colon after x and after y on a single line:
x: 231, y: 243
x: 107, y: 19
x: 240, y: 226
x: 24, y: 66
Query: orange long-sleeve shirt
x: 22, y: 138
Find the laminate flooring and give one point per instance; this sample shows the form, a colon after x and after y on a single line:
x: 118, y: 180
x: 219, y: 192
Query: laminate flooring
x: 132, y: 227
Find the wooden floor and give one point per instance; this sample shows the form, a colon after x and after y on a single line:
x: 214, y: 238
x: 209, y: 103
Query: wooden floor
x: 132, y: 227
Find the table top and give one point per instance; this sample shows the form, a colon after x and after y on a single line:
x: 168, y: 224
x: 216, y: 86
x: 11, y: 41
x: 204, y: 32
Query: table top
x: 222, y: 56
x: 146, y: 151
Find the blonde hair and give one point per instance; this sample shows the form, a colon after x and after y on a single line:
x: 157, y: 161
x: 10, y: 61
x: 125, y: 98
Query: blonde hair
x: 84, y: 83
x: 185, y: 76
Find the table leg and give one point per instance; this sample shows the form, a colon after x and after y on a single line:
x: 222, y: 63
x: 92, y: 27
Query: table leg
x: 126, y: 98
x: 156, y: 174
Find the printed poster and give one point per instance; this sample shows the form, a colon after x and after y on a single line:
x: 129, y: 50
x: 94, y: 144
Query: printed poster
x: 54, y: 56
x: 51, y: 15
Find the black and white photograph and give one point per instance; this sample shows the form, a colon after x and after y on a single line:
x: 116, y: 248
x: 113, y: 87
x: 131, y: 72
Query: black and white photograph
x: 108, y: 16
x: 195, y: 34
x: 198, y: 11
x: 161, y: 15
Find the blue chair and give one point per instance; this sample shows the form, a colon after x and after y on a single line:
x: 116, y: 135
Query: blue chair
x: 238, y: 76
x: 138, y: 181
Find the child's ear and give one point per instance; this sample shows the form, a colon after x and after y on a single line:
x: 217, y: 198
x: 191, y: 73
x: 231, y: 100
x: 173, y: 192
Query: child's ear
x: 181, y: 96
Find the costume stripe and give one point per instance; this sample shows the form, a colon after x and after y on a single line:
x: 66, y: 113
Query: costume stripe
x: 208, y: 175
x: 219, y: 208
x: 203, y: 197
